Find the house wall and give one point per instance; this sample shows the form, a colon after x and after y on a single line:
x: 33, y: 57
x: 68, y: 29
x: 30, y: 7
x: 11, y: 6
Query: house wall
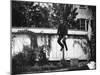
x: 85, y: 12
x: 76, y: 46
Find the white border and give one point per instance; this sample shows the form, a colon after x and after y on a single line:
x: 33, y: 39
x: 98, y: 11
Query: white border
x: 5, y: 37
x: 86, y: 2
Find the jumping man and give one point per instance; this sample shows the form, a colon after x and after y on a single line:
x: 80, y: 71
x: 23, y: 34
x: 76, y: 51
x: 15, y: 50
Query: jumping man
x: 62, y: 32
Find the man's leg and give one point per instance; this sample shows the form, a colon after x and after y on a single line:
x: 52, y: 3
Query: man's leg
x: 64, y: 42
x: 60, y: 43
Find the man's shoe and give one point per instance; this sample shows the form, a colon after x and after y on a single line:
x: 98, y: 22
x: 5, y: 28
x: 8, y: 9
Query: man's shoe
x: 61, y: 49
x: 66, y: 49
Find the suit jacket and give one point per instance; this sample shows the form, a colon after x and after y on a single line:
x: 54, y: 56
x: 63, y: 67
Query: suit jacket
x: 62, y: 29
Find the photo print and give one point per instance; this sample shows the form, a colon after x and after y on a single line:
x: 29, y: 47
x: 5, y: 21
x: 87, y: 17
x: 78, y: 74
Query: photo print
x: 52, y: 37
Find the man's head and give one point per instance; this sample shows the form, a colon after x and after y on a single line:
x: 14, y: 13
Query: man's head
x: 61, y: 21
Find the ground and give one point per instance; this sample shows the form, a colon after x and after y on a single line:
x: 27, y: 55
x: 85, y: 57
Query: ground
x: 51, y: 66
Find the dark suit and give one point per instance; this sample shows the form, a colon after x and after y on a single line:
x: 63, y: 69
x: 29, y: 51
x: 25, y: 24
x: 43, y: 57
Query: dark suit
x: 62, y: 32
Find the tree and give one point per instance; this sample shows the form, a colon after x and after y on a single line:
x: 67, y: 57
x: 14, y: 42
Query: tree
x: 36, y: 14
x: 64, y: 12
x: 29, y: 14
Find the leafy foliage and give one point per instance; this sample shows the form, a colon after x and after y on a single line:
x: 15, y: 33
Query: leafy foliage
x: 64, y: 12
x: 35, y: 14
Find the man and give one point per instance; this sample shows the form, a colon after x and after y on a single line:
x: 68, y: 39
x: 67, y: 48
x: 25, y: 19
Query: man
x: 62, y: 32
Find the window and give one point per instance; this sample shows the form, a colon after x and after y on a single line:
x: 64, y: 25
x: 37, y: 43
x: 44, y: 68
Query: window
x: 79, y: 24
x: 82, y: 24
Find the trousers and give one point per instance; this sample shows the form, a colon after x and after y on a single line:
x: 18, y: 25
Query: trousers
x: 62, y: 41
